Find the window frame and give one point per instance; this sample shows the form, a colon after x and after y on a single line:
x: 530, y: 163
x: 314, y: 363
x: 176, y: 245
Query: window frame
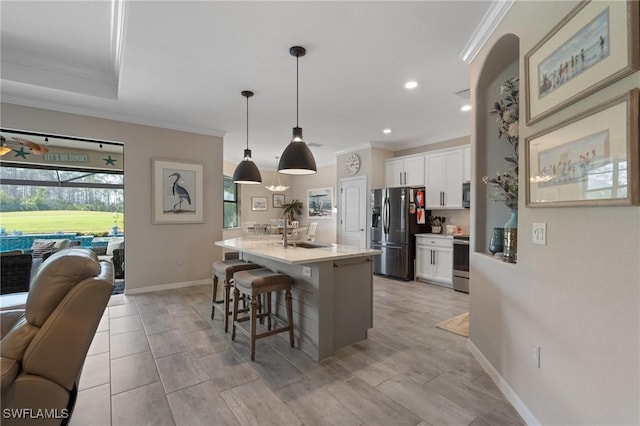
x: 236, y: 201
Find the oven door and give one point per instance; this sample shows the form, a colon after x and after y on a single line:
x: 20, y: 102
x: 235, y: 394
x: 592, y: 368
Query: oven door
x: 461, y: 265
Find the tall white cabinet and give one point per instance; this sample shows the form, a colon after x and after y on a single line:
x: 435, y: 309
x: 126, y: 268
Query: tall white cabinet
x: 444, y: 174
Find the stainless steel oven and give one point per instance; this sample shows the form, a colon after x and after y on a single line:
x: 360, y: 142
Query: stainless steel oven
x: 461, y: 263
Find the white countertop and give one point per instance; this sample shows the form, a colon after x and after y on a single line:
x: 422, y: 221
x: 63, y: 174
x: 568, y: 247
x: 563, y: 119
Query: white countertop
x: 271, y: 248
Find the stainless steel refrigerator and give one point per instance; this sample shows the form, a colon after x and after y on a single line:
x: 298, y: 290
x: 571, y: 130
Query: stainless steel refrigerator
x: 393, y: 229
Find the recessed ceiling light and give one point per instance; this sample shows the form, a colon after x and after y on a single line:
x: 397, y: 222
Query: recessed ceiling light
x: 465, y: 108
x: 411, y: 84
x: 386, y: 131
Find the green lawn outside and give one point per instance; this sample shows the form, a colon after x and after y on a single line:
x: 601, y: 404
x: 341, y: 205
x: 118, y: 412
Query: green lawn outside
x: 39, y: 222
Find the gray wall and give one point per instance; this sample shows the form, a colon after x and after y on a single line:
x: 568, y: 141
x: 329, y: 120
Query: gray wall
x: 152, y: 251
x: 578, y: 296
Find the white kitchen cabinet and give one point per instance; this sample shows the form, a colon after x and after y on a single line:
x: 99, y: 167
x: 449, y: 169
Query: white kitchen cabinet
x: 466, y: 164
x: 404, y: 172
x: 443, y: 179
x: 434, y: 259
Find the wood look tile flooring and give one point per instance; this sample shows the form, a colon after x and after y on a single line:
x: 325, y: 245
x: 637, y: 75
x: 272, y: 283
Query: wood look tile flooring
x: 157, y: 359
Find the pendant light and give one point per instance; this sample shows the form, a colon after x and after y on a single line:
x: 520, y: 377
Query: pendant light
x: 247, y: 171
x: 297, y: 158
x: 276, y: 186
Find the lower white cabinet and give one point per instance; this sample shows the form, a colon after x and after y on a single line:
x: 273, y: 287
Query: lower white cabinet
x: 434, y: 259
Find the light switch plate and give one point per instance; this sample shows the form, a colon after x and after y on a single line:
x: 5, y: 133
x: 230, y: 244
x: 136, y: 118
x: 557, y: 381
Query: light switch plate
x: 539, y: 234
x: 306, y: 271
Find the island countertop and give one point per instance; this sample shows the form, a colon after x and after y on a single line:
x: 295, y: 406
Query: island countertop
x: 271, y: 248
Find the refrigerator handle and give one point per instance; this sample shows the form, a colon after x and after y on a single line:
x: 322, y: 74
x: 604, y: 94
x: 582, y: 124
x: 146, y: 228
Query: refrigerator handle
x: 386, y: 219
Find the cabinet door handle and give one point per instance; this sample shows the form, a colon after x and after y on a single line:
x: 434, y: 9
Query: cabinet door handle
x: 400, y: 178
x: 443, y: 203
x: 405, y: 178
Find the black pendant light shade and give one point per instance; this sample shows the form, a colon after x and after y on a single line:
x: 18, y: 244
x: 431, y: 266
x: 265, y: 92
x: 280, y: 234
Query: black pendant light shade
x: 297, y: 158
x: 247, y: 172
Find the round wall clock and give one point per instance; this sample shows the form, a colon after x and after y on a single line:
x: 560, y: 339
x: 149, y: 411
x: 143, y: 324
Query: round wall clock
x: 352, y: 165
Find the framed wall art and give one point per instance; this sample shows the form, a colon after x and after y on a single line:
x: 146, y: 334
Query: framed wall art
x: 259, y: 203
x: 177, y: 194
x: 278, y: 201
x: 593, y: 46
x: 590, y: 160
x: 320, y: 202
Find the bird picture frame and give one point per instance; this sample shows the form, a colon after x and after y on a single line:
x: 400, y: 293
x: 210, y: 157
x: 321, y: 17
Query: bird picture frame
x: 177, y: 191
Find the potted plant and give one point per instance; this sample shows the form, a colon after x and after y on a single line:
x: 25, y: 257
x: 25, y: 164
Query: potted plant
x: 292, y: 209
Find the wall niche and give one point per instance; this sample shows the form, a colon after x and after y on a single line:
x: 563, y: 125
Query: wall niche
x: 502, y: 64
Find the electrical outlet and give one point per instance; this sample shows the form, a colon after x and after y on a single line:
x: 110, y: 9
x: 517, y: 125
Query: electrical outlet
x: 306, y: 271
x: 539, y: 234
x: 535, y: 356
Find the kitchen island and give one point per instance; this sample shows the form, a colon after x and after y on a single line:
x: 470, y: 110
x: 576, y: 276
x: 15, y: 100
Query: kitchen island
x: 332, y: 290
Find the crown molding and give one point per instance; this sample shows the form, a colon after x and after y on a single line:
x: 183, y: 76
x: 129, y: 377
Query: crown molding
x: 109, y: 116
x: 483, y: 31
x: 353, y: 149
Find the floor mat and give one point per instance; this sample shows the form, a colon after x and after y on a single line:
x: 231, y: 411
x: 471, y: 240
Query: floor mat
x: 458, y: 325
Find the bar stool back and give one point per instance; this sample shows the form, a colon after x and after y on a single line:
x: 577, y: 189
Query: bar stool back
x: 224, y: 270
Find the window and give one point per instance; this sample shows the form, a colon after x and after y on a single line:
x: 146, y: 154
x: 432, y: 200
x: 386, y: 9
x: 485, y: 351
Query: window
x: 231, y: 205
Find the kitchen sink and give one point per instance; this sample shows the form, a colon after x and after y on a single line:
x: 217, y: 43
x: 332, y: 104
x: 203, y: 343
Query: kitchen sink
x: 311, y: 245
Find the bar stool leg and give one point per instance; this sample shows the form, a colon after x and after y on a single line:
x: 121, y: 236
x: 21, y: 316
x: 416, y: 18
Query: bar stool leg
x: 214, y: 295
x: 236, y: 297
x: 268, y: 297
x: 289, y: 315
x: 227, y: 297
x: 254, y: 314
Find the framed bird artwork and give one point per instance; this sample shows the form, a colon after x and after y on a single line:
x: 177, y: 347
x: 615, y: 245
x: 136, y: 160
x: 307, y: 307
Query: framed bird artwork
x: 177, y: 191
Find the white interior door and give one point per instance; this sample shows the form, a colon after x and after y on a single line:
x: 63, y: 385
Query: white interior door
x: 353, y: 215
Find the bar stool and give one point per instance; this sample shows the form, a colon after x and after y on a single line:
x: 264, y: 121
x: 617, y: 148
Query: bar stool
x: 253, y: 283
x: 224, y: 270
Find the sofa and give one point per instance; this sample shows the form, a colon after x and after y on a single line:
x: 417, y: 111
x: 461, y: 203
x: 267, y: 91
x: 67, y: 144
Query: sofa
x: 44, y: 345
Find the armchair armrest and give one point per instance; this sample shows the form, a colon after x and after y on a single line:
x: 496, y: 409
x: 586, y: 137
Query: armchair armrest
x: 10, y: 369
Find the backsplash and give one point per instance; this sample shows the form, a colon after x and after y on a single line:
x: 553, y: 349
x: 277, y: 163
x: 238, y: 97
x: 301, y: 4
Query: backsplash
x: 455, y: 217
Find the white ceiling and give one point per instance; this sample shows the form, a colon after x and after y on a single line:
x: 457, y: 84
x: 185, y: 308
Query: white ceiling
x: 182, y: 65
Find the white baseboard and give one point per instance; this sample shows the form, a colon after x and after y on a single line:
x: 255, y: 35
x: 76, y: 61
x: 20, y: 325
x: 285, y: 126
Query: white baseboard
x: 502, y: 384
x: 169, y: 286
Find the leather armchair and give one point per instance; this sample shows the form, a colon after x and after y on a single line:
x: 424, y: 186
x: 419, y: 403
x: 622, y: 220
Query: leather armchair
x: 44, y: 346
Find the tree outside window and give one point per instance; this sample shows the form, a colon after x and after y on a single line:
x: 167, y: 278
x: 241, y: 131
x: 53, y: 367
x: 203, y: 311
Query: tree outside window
x: 231, y: 204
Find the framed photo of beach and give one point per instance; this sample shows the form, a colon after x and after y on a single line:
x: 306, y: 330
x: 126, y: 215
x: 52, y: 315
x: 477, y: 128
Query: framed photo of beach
x: 590, y: 160
x: 177, y: 192
x: 595, y: 45
x: 320, y: 202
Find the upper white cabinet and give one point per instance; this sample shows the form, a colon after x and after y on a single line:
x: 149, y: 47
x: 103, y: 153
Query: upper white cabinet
x: 444, y: 175
x: 404, y: 172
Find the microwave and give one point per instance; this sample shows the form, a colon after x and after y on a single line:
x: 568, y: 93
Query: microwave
x: 466, y: 195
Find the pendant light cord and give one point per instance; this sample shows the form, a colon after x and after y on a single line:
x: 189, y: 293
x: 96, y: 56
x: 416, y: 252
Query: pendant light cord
x: 247, y: 122
x: 297, y: 90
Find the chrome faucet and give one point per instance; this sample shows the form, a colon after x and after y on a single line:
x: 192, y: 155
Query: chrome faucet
x: 285, y: 243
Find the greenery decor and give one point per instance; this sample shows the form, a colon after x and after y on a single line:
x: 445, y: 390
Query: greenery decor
x: 507, y: 109
x: 292, y: 209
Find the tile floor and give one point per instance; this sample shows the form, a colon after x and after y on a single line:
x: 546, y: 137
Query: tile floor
x: 157, y: 359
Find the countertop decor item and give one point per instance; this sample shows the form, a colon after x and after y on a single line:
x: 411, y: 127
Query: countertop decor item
x: 496, y: 244
x: 247, y: 172
x: 436, y: 223
x: 297, y: 158
x: 511, y: 238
